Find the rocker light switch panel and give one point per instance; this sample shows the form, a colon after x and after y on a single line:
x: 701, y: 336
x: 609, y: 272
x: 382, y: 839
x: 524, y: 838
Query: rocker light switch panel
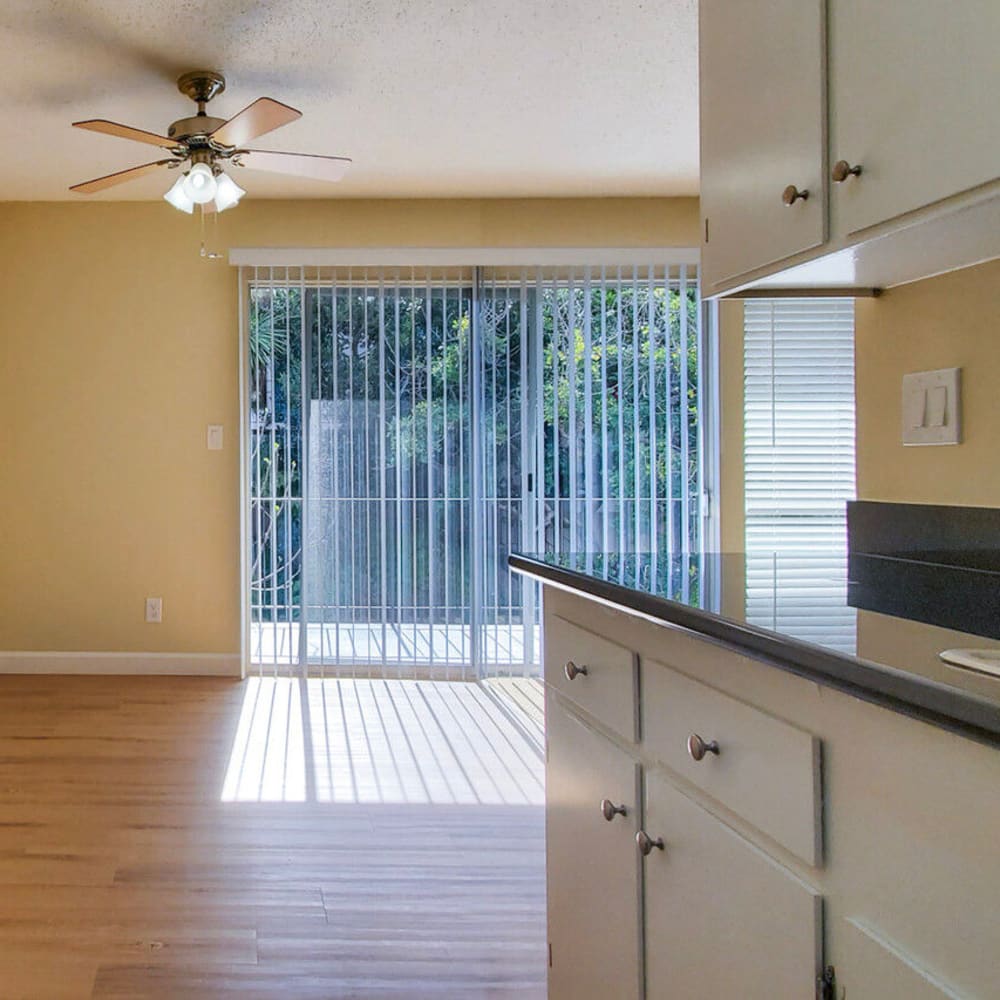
x: 214, y: 437
x: 932, y: 407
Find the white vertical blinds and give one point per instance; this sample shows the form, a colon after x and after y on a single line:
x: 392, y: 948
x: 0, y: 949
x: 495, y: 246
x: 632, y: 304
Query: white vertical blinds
x: 610, y: 379
x: 411, y: 427
x: 591, y: 401
x: 799, y: 465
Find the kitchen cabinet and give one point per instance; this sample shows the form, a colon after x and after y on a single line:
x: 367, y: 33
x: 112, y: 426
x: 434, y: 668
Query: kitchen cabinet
x: 755, y: 764
x: 913, y: 103
x: 622, y: 841
x: 597, y: 676
x: 883, y: 111
x: 713, y: 882
x: 592, y: 871
x: 881, y: 970
x: 762, y: 132
x: 721, y: 918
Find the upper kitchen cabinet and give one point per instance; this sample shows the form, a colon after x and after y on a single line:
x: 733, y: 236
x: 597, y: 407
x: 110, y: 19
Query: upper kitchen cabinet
x: 762, y: 133
x: 884, y: 111
x: 913, y: 104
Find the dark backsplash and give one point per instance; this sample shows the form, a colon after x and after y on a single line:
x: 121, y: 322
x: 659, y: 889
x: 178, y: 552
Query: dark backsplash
x: 928, y: 563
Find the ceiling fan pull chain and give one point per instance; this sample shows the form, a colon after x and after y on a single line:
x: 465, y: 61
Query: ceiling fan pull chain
x: 216, y: 255
x: 205, y: 253
x: 201, y: 224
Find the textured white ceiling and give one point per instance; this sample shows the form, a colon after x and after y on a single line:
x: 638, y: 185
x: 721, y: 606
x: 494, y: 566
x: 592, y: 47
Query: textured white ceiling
x: 430, y: 97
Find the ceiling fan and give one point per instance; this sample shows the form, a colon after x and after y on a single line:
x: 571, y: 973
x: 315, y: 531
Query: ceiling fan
x: 206, y: 143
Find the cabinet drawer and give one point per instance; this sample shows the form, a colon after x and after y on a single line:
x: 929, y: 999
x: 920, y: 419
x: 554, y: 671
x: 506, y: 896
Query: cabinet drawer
x: 766, y: 770
x: 598, y: 675
x: 722, y: 919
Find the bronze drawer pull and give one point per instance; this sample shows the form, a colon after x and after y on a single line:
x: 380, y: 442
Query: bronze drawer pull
x: 698, y: 747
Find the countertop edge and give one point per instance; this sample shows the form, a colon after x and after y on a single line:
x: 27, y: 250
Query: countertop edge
x: 940, y: 705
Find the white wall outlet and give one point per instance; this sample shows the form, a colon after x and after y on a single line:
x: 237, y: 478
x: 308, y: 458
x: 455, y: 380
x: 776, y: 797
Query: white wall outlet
x: 154, y: 610
x: 932, y: 407
x: 214, y: 437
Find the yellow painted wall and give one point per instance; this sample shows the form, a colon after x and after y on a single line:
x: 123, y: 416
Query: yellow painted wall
x: 944, y: 322
x: 119, y: 346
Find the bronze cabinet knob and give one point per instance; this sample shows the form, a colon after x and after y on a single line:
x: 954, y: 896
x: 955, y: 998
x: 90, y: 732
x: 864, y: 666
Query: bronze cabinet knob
x: 646, y: 843
x: 572, y: 671
x: 792, y: 194
x: 609, y: 810
x: 842, y: 170
x: 698, y: 747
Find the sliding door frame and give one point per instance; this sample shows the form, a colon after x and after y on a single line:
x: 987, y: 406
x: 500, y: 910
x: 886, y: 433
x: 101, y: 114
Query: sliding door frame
x: 251, y: 261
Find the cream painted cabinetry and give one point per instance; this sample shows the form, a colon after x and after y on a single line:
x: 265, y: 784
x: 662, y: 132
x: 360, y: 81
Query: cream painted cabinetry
x: 722, y: 919
x: 913, y: 102
x: 885, y: 111
x: 592, y: 871
x: 763, y: 104
x: 598, y: 676
x: 824, y: 832
x: 650, y: 894
x: 761, y: 767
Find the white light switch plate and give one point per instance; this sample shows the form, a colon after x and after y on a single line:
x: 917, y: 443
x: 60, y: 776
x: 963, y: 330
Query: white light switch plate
x: 932, y: 407
x: 215, y: 437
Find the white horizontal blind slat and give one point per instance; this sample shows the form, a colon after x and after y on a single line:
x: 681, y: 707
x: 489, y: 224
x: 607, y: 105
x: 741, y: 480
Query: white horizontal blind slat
x: 799, y: 465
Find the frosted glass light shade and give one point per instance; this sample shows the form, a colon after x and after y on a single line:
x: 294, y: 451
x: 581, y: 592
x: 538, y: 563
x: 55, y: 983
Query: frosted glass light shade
x: 200, y: 184
x: 228, y: 192
x: 178, y: 197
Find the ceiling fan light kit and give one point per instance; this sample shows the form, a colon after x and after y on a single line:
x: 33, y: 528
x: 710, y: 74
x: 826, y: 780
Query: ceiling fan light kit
x: 199, y: 184
x: 177, y: 196
x: 227, y: 192
x: 206, y: 143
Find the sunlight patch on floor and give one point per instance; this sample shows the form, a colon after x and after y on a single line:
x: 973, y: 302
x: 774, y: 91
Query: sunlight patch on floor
x: 268, y: 762
x: 375, y: 741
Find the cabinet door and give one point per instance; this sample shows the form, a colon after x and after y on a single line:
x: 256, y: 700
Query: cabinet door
x: 592, y: 869
x: 722, y: 919
x: 870, y: 968
x: 763, y: 113
x: 914, y: 101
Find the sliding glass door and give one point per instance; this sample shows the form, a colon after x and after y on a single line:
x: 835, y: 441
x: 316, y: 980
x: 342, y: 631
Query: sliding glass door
x: 388, y: 482
x: 408, y: 429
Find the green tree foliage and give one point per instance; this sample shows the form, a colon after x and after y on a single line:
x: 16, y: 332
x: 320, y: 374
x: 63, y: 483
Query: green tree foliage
x: 610, y: 357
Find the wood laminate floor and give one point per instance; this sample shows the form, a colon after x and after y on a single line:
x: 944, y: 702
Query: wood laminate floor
x: 194, y: 837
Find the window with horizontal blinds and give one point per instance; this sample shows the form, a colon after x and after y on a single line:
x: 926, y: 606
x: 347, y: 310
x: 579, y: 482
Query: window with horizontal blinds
x: 799, y: 466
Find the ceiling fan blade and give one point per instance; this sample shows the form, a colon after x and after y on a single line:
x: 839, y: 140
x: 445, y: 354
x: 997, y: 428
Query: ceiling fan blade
x: 127, y: 132
x: 110, y: 180
x: 259, y: 118
x: 320, y: 168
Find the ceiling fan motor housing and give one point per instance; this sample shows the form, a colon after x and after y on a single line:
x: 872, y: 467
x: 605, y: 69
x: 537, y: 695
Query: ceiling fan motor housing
x: 201, y: 85
x: 197, y: 125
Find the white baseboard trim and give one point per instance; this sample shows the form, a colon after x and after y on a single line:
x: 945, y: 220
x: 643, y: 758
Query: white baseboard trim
x: 152, y: 664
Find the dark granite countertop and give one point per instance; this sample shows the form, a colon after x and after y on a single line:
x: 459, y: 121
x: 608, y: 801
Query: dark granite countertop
x: 811, y: 633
